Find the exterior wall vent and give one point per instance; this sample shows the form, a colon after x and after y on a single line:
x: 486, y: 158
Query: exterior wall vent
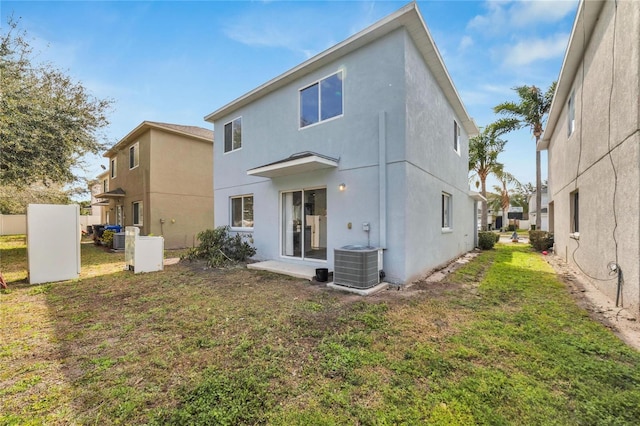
x: 357, y: 266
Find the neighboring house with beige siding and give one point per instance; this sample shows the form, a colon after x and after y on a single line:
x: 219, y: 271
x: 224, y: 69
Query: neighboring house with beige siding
x: 593, y: 140
x: 159, y: 179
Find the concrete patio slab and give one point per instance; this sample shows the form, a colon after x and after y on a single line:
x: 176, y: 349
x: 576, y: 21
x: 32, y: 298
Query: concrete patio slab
x: 291, y: 269
x: 360, y: 291
x: 308, y: 273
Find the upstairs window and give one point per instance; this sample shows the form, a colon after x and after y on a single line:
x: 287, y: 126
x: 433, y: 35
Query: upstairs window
x: 105, y: 185
x: 134, y: 155
x: 456, y: 137
x: 321, y: 100
x: 233, y: 135
x: 113, y: 166
x: 571, y: 114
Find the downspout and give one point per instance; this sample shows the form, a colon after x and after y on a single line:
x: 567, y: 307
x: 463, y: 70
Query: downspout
x: 146, y: 203
x: 475, y: 223
x: 382, y: 177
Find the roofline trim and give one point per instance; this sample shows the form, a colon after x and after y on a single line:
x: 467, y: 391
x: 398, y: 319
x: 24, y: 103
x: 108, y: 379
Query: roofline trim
x: 150, y: 125
x: 400, y: 18
x: 586, y: 19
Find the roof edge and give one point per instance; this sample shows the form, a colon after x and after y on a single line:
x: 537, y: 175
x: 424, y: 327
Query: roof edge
x: 586, y: 19
x: 151, y: 125
x: 378, y: 29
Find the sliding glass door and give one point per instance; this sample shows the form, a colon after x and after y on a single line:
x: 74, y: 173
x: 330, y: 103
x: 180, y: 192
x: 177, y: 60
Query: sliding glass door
x: 304, y: 224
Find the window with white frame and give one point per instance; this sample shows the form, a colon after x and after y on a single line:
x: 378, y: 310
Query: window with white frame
x: 321, y: 100
x: 105, y: 185
x: 242, y: 211
x: 571, y: 114
x: 233, y: 135
x: 574, y: 211
x: 456, y: 137
x: 134, y: 155
x: 137, y: 213
x: 446, y: 211
x: 113, y: 166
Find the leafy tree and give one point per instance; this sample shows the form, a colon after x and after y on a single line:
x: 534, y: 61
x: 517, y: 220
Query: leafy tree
x: 484, y: 149
x: 522, y: 193
x: 531, y: 111
x: 48, y: 122
x: 14, y: 200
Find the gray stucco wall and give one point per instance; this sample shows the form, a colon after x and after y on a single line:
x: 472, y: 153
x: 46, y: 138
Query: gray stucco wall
x: 375, y: 80
x: 433, y: 167
x: 601, y: 159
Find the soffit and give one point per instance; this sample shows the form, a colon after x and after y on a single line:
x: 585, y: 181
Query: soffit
x: 297, y: 163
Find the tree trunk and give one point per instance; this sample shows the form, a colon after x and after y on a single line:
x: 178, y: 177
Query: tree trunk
x: 538, y: 189
x: 483, y: 191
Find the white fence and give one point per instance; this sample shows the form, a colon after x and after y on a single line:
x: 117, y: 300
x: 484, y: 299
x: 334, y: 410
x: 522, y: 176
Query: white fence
x: 13, y: 224
x: 16, y: 224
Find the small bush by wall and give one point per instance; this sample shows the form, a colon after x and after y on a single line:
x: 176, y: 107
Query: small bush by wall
x: 219, y: 248
x: 541, y: 240
x: 107, y: 238
x: 486, y: 240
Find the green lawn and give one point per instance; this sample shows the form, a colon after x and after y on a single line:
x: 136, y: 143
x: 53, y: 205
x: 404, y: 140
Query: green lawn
x: 500, y: 342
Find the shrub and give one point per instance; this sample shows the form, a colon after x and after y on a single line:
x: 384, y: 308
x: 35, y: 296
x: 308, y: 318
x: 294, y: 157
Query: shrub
x: 496, y: 236
x: 541, y: 240
x: 219, y: 248
x: 511, y: 228
x: 107, y: 238
x: 486, y: 240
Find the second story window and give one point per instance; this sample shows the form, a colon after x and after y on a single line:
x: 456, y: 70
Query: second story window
x: 134, y: 155
x: 105, y: 185
x: 113, y: 165
x: 456, y: 137
x: 321, y: 100
x: 233, y: 135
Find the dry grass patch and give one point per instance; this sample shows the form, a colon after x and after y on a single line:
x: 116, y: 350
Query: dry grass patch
x: 499, y: 342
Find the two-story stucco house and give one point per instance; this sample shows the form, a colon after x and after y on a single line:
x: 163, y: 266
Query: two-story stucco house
x: 593, y: 143
x: 99, y: 186
x: 159, y: 179
x: 364, y: 144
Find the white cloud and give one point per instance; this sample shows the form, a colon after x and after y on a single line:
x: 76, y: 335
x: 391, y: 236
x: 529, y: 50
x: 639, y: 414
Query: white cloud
x: 296, y: 29
x: 528, y: 51
x: 528, y: 12
x: 507, y: 15
x: 465, y: 43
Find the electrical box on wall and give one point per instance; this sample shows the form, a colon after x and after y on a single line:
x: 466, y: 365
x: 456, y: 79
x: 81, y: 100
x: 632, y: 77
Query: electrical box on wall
x: 365, y: 226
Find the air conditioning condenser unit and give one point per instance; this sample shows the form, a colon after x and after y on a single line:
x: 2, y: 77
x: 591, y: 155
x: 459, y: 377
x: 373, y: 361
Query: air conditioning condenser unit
x: 357, y: 266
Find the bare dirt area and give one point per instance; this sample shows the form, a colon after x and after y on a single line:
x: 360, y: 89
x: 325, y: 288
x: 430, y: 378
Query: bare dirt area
x: 621, y: 321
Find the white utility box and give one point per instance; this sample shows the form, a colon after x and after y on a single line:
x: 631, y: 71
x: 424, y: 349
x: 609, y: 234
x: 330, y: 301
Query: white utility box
x: 142, y: 254
x: 53, y: 242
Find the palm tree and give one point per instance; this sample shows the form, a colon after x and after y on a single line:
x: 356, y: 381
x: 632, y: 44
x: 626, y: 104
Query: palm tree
x: 531, y: 111
x: 505, y: 192
x: 483, y: 160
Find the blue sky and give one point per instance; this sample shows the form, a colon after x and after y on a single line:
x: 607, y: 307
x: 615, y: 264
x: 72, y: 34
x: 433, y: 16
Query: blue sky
x: 176, y: 61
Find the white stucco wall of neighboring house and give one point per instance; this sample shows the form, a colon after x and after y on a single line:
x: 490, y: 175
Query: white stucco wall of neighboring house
x: 600, y: 159
x: 544, y: 216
